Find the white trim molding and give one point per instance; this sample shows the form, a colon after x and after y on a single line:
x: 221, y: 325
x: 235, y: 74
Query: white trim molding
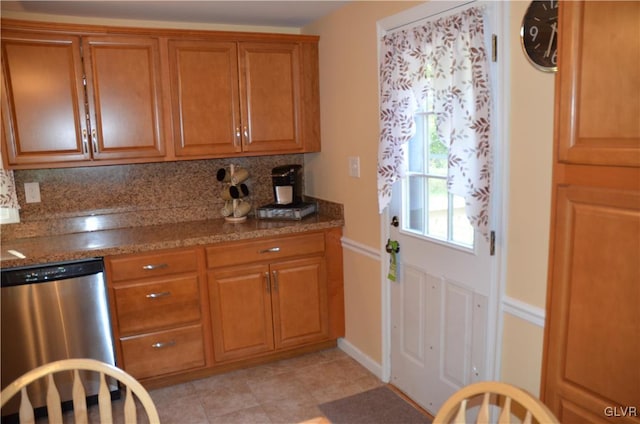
x: 360, y: 248
x: 523, y: 310
x: 364, y: 360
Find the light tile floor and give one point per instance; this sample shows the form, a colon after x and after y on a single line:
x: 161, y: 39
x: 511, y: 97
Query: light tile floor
x: 287, y: 391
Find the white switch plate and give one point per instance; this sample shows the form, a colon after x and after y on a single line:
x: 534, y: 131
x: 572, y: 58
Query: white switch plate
x: 32, y: 192
x: 354, y: 166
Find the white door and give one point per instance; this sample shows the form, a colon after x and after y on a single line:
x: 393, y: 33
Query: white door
x: 441, y: 300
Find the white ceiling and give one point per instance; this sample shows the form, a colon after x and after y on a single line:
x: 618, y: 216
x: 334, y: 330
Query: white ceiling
x: 291, y: 13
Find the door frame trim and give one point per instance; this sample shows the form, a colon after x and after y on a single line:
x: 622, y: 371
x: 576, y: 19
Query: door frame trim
x: 499, y: 213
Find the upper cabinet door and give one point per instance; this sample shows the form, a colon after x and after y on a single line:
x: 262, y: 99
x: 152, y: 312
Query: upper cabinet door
x: 598, y: 83
x: 42, y: 99
x: 270, y: 93
x: 124, y: 97
x: 204, y: 97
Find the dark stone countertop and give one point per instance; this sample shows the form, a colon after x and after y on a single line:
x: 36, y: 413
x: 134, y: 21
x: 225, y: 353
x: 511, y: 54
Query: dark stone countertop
x: 81, y: 245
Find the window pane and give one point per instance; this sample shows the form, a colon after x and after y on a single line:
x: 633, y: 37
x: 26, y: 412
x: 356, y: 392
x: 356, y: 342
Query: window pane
x: 438, y: 200
x: 416, y: 147
x: 416, y: 203
x: 462, y: 229
x: 437, y: 151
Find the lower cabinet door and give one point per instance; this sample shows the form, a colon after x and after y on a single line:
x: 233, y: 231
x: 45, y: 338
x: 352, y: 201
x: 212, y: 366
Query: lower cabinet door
x: 240, y: 302
x: 164, y: 352
x: 299, y: 298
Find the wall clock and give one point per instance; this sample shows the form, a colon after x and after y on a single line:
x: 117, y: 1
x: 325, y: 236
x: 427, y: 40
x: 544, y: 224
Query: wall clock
x: 539, y: 34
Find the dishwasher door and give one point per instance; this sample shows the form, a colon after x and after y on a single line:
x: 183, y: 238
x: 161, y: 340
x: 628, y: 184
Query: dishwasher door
x: 53, y: 312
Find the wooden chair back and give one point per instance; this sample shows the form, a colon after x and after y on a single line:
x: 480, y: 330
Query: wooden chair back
x: 54, y: 411
x: 505, y: 397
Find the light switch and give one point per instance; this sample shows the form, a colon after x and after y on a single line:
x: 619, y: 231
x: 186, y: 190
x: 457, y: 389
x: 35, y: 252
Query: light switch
x: 354, y: 166
x: 32, y: 192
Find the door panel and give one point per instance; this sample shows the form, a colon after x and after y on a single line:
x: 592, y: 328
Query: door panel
x: 299, y: 302
x: 124, y: 95
x: 594, y: 78
x: 33, y: 133
x: 270, y: 90
x: 593, y: 344
x: 204, y: 91
x: 437, y: 336
x: 241, y: 314
x: 456, y: 330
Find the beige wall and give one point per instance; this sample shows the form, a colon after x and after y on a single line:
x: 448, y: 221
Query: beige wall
x: 530, y: 146
x: 349, y: 108
x: 349, y: 125
x: 530, y: 162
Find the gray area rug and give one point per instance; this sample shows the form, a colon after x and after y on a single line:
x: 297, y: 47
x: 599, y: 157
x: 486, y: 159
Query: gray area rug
x: 376, y: 406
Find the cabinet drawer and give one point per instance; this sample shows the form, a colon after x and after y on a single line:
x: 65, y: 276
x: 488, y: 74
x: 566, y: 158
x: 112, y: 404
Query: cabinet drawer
x: 264, y: 250
x: 157, y: 305
x: 164, y: 352
x: 152, y: 265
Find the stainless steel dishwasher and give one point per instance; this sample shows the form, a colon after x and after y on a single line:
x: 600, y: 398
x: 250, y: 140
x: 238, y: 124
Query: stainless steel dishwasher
x: 52, y: 312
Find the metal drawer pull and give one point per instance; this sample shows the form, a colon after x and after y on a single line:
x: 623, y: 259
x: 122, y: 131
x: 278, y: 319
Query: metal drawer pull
x: 160, y: 345
x: 85, y: 143
x: 271, y: 249
x: 94, y: 140
x: 157, y: 295
x: 151, y: 267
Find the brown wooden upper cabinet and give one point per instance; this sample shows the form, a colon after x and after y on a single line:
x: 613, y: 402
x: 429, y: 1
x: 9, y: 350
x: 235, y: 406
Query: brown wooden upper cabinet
x: 82, y: 95
x: 50, y: 119
x: 243, y: 97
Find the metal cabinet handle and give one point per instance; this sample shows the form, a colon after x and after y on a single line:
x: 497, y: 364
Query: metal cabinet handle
x: 270, y: 250
x: 157, y: 295
x: 94, y: 140
x: 85, y: 142
x: 160, y: 345
x: 267, y: 280
x: 246, y: 134
x: 275, y: 280
x: 151, y: 267
x: 238, y: 136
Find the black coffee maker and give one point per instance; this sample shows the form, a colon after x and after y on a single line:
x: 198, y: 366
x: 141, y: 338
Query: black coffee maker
x: 287, y: 195
x: 287, y: 184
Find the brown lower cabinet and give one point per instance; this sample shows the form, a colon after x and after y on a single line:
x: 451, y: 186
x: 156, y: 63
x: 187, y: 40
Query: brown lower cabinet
x: 195, y: 311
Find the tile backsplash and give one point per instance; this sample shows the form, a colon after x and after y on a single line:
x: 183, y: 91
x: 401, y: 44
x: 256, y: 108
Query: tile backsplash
x: 151, y: 193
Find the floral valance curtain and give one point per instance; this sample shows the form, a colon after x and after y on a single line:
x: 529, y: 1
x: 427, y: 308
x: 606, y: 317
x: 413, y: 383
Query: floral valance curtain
x: 447, y: 59
x: 8, y: 198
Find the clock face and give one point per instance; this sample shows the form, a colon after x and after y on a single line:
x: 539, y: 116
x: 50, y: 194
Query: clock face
x: 539, y: 34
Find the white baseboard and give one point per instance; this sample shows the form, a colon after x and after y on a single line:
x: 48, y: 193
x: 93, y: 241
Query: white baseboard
x: 374, y: 367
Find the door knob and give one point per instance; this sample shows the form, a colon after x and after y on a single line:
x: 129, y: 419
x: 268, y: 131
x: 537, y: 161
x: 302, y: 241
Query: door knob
x: 395, y: 222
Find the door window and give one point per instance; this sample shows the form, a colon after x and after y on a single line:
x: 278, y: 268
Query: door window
x: 428, y: 208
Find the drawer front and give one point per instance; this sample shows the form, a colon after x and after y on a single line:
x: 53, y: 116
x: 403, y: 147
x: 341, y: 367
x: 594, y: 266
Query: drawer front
x: 264, y: 250
x: 154, y: 306
x: 164, y: 352
x: 152, y: 265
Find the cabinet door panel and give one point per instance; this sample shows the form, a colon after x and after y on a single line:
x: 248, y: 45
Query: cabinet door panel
x: 42, y: 98
x: 598, y: 83
x: 299, y: 302
x: 204, y: 91
x: 270, y: 90
x: 123, y: 89
x: 593, y: 339
x: 240, y: 302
